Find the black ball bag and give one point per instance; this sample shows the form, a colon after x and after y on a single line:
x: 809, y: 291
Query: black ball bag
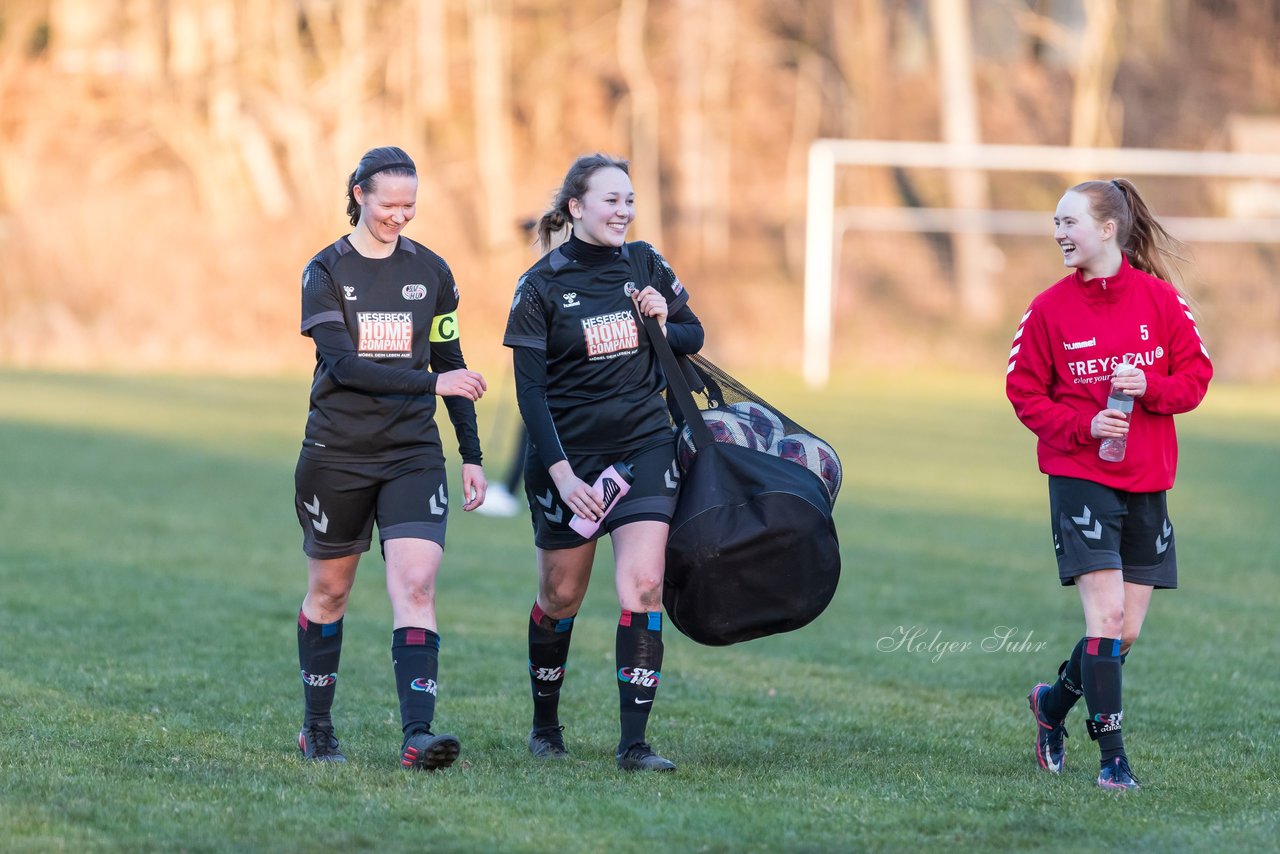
x: 734, y: 573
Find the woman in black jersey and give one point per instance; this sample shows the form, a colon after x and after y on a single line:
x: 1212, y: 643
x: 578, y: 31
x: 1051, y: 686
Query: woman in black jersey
x: 382, y: 311
x: 590, y: 392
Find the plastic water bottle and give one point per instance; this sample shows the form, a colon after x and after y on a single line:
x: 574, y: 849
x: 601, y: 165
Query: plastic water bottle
x: 1112, y: 449
x: 613, y: 483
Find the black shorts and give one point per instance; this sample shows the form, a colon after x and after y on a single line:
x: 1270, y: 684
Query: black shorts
x: 652, y: 496
x: 338, y: 502
x: 1097, y: 527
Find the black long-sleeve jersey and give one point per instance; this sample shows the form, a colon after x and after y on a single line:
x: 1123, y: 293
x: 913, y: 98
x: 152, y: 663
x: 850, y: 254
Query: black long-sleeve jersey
x: 378, y: 325
x: 587, y: 378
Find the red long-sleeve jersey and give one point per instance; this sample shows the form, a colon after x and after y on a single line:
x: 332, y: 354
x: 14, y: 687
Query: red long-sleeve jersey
x: 1067, y: 345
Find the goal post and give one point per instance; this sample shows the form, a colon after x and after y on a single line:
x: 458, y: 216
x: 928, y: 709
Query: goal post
x: 826, y: 223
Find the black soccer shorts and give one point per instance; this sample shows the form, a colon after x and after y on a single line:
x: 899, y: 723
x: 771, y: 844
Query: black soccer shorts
x: 1097, y: 527
x: 338, y: 502
x: 652, y: 496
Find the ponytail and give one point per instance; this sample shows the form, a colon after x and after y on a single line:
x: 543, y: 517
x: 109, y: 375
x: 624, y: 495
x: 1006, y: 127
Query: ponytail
x: 549, y: 225
x: 1149, y: 246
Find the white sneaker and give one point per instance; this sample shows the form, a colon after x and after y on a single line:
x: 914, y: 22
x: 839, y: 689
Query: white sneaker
x: 499, y: 502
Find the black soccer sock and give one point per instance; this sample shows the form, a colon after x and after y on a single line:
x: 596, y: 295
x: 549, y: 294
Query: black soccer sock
x: 319, y: 648
x: 415, y: 653
x: 1100, y: 677
x: 548, y: 656
x: 638, y: 654
x: 1059, y: 699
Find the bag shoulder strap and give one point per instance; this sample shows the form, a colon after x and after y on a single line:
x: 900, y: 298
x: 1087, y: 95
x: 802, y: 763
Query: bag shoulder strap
x: 667, y: 358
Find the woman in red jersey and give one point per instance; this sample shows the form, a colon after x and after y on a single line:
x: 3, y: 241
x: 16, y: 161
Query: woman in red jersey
x: 1116, y: 322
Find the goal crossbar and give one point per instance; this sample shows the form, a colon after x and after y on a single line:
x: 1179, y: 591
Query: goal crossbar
x: 824, y: 221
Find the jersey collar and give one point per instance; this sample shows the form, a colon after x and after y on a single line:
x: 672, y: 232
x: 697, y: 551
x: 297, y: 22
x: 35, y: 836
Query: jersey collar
x: 1106, y: 288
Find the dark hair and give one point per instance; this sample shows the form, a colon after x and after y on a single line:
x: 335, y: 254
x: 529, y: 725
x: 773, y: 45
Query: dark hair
x: 574, y: 186
x: 1141, y: 238
x: 387, y: 159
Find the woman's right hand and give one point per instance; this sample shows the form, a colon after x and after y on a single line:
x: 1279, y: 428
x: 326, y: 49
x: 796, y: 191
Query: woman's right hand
x: 1109, y: 424
x: 461, y: 383
x: 577, y: 494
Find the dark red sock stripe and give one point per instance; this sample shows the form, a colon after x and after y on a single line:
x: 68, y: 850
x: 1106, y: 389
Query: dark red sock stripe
x: 1109, y: 647
x: 537, y: 614
x: 625, y: 619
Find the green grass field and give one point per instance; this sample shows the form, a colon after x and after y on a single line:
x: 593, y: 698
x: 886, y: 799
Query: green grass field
x: 150, y: 574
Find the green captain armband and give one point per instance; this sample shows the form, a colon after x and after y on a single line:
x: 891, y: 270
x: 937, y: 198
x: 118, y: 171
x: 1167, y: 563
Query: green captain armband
x: 444, y: 327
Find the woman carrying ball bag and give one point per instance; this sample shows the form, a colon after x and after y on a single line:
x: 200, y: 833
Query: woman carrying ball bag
x: 1112, y: 336
x: 590, y: 391
x: 383, y: 312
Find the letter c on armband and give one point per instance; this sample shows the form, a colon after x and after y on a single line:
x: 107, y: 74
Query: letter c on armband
x: 444, y: 327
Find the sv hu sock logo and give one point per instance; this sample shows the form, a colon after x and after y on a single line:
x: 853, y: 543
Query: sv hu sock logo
x: 319, y: 680
x: 639, y: 676
x: 547, y: 674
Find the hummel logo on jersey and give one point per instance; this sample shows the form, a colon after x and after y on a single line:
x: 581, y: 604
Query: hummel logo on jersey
x: 348, y: 292
x: 414, y: 292
x: 570, y: 299
x: 1080, y: 345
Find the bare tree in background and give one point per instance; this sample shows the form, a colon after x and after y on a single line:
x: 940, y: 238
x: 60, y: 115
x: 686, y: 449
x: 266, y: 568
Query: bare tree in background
x: 491, y: 71
x: 1096, y: 75
x: 861, y: 44
x: 950, y: 21
x: 643, y: 103
x: 246, y: 115
x: 703, y: 118
x: 432, y: 47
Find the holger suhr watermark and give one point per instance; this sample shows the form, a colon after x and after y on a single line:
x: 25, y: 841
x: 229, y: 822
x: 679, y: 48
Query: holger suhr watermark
x: 918, y: 640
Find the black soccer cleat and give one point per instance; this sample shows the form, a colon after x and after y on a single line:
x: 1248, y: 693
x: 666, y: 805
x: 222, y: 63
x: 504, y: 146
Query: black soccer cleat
x: 424, y: 751
x: 640, y: 757
x: 548, y: 743
x: 1051, y: 737
x: 318, y: 743
x: 1115, y: 775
